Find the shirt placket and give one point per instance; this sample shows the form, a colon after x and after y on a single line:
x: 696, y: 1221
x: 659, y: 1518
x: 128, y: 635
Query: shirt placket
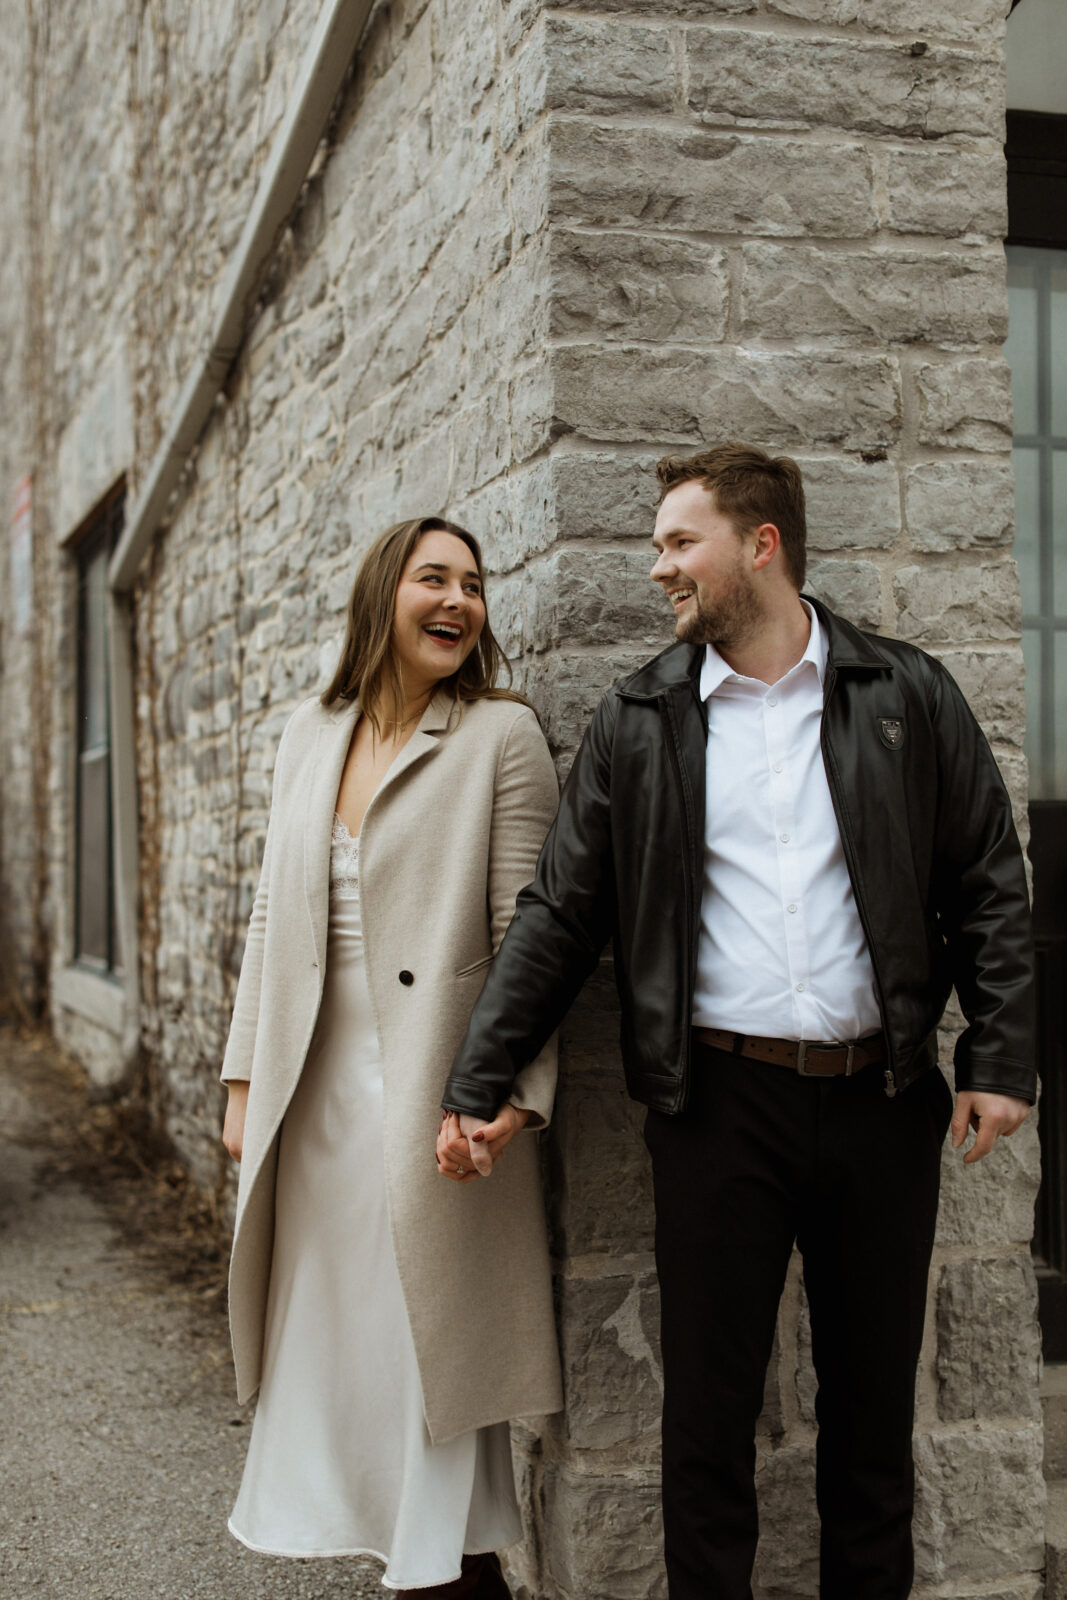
x: 783, y: 771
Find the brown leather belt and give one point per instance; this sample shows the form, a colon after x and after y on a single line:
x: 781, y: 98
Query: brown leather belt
x: 832, y: 1059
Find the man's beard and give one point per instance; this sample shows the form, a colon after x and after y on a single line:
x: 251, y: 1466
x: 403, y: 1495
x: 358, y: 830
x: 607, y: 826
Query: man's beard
x: 727, y: 621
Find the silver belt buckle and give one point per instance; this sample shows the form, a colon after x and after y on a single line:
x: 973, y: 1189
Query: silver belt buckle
x: 828, y: 1044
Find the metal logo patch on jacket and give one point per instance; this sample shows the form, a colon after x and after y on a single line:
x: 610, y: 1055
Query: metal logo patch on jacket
x: 891, y: 731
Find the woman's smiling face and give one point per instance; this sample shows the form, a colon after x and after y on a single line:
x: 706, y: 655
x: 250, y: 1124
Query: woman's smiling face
x: 439, y: 612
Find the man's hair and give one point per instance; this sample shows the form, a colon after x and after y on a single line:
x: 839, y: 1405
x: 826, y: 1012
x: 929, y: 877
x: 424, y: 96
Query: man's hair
x: 750, y: 487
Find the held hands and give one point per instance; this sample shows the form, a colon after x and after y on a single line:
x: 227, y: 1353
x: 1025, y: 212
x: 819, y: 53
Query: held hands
x: 990, y: 1115
x: 233, y: 1128
x: 467, y: 1146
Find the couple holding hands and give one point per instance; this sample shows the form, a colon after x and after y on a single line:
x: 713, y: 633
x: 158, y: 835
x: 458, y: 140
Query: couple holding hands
x: 798, y: 841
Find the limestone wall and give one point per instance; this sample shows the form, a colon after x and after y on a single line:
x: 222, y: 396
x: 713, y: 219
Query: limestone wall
x: 538, y: 247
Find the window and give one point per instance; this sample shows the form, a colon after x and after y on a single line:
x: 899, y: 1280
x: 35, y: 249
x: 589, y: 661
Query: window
x: 94, y: 914
x: 1037, y: 351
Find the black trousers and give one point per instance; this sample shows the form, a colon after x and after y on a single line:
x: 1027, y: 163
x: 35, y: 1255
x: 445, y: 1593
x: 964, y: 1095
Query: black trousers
x: 760, y: 1158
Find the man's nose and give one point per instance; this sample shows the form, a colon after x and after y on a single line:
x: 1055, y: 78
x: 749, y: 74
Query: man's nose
x: 661, y: 567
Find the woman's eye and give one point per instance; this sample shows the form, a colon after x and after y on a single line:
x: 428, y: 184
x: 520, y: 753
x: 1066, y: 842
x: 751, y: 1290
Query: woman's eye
x: 432, y: 577
x: 473, y: 588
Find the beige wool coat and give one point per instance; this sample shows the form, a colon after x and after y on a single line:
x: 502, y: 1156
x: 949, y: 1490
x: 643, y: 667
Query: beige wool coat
x: 447, y: 842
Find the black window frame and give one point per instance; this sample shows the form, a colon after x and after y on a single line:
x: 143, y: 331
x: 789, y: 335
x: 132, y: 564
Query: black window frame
x: 100, y: 534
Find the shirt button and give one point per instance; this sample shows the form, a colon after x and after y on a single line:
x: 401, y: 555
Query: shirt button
x: 407, y: 978
x: 771, y: 700
x: 790, y: 908
x: 777, y: 766
x: 784, y: 838
x: 801, y: 987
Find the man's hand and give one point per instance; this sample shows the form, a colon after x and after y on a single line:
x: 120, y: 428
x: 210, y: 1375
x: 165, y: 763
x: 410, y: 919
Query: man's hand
x: 467, y: 1146
x: 990, y: 1115
x: 233, y: 1129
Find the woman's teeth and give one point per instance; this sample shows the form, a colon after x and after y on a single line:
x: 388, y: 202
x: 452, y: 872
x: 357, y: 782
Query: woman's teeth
x: 442, y: 630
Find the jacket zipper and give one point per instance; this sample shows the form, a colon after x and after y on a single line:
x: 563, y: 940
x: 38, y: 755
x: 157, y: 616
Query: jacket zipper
x: 675, y: 749
x: 853, y: 870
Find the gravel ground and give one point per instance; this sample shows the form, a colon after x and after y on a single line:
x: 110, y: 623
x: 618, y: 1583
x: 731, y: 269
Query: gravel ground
x: 122, y: 1444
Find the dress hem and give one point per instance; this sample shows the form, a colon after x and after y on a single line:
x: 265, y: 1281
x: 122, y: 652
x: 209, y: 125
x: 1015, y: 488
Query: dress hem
x: 331, y: 1555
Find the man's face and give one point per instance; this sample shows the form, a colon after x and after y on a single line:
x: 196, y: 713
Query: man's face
x: 705, y: 569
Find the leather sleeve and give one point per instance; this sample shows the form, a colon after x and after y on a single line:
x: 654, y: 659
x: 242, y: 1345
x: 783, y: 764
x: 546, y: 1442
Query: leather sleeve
x: 562, y: 921
x: 982, y: 904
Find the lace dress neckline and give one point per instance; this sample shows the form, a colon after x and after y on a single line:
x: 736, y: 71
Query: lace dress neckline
x: 344, y: 859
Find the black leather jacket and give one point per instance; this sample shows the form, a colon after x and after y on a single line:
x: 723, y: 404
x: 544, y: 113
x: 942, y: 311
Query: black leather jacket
x: 928, y: 838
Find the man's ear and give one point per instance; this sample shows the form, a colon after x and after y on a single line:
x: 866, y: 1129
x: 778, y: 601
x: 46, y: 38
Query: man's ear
x: 766, y: 541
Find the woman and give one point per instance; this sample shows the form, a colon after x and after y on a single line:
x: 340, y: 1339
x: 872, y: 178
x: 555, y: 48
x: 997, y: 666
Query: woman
x: 375, y: 1307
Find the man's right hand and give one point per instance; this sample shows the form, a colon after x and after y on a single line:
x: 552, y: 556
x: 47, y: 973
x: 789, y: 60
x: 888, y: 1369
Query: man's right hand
x: 233, y: 1129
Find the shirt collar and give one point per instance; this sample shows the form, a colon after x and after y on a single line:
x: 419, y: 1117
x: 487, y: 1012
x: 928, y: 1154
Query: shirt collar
x: 715, y: 671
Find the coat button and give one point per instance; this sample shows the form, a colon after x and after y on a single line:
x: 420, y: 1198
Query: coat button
x: 407, y: 978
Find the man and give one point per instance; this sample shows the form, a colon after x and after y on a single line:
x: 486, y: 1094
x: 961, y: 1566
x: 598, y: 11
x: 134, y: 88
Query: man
x: 799, y: 839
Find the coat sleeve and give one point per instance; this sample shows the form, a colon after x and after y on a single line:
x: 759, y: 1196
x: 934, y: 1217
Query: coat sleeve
x: 982, y: 903
x: 241, y: 1043
x: 561, y: 924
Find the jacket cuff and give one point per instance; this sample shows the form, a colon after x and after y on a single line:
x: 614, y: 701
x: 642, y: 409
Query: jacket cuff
x: 997, y: 1075
x: 462, y: 1094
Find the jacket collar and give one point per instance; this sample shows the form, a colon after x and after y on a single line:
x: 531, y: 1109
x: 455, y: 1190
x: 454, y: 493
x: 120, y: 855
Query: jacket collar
x: 847, y: 650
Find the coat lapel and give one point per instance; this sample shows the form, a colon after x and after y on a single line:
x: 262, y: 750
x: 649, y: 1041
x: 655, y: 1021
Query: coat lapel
x: 331, y: 747
x: 423, y: 742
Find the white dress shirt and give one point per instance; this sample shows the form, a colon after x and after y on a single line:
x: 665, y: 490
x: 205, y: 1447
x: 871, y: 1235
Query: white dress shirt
x: 781, y: 951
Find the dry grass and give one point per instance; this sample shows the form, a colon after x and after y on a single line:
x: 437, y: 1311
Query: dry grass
x: 110, y: 1148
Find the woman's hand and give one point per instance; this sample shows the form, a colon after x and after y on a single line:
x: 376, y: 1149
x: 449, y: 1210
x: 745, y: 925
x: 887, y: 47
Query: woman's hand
x: 233, y: 1129
x: 467, y: 1147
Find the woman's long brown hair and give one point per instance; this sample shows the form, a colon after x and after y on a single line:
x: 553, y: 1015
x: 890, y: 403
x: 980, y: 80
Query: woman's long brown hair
x: 367, y: 667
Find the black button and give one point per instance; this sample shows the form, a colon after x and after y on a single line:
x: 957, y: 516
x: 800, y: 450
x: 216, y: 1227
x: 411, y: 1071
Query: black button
x: 407, y: 979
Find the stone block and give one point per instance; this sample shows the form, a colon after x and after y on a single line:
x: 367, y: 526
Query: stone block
x: 672, y: 9
x: 946, y: 605
x: 609, y: 1346
x: 1054, y: 1415
x: 604, y: 494
x: 851, y: 505
x: 1056, y: 1543
x: 988, y: 1339
x: 566, y: 687
x: 604, y: 1535
x: 693, y: 397
x: 601, y: 597
x: 932, y: 188
x: 766, y: 79
x: 994, y: 684
x: 965, y: 404
x: 992, y: 1201
x: 599, y: 1174
x: 898, y: 297
x: 805, y: 1382
x: 960, y: 505
x: 638, y: 287
x: 787, y: 1559
x: 980, y: 1505
x: 851, y: 588
x: 705, y: 182
x: 981, y: 20
x: 607, y: 66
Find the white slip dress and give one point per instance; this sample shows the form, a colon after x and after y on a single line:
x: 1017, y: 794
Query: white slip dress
x: 340, y: 1461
